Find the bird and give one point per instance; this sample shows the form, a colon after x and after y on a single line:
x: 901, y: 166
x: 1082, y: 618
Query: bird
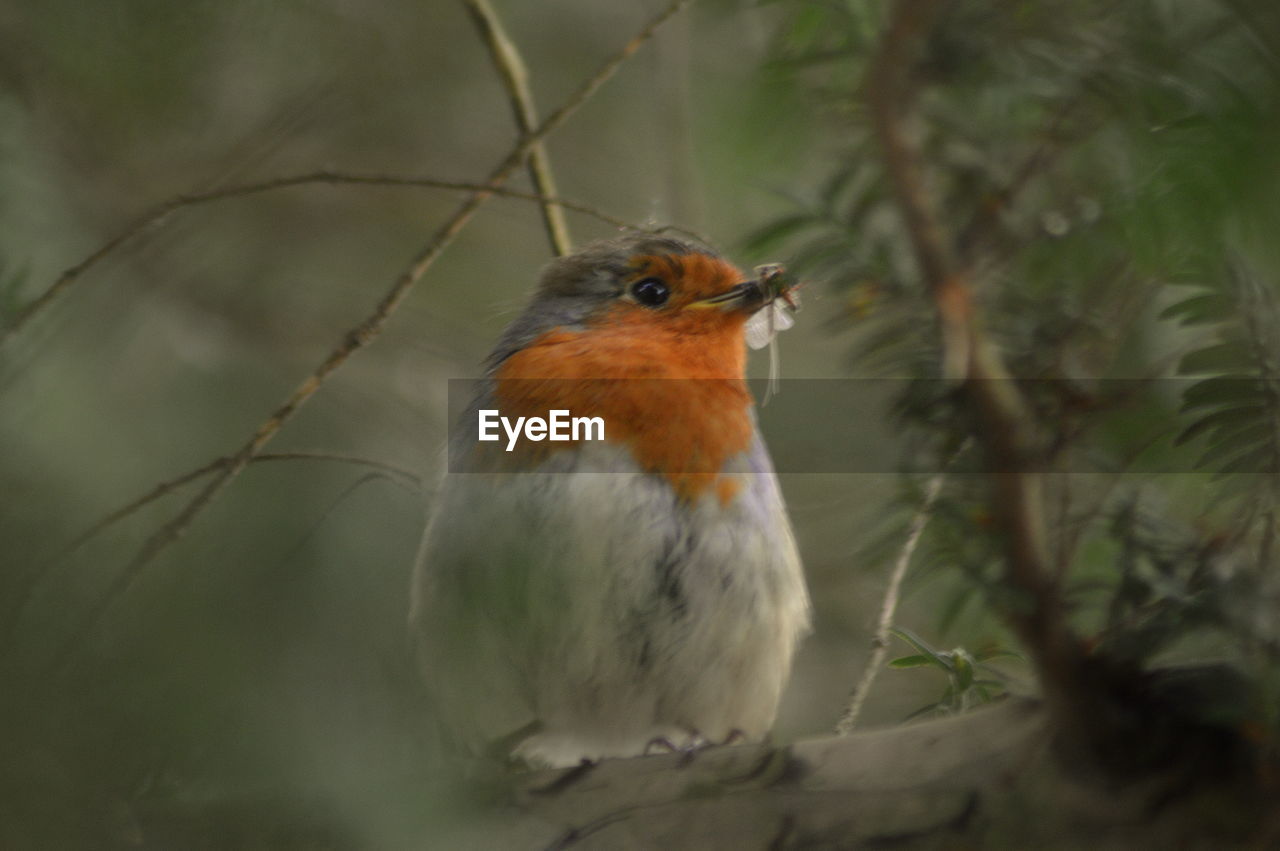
x: 577, y: 600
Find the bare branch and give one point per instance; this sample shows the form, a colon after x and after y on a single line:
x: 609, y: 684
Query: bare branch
x: 158, y: 215
x: 408, y: 476
x: 1007, y: 428
x: 171, y: 485
x: 354, y: 340
x: 28, y: 584
x: 888, y: 607
x: 889, y: 604
x: 511, y: 68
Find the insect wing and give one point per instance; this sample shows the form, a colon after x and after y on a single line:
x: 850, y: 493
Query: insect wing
x: 782, y: 318
x: 765, y: 324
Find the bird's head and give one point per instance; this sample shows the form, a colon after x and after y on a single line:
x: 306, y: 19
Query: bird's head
x: 643, y: 296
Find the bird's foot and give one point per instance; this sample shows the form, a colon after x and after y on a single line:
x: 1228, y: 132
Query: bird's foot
x: 695, y: 744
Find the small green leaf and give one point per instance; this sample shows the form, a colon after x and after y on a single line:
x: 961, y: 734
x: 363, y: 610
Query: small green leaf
x: 1227, y: 420
x: 1224, y: 357
x: 963, y: 669
x: 937, y: 658
x: 1244, y: 441
x: 911, y: 638
x: 1236, y: 390
x: 1210, y: 307
x: 1260, y: 460
x: 910, y: 661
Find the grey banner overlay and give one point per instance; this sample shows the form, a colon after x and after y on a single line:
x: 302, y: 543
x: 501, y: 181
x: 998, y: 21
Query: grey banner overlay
x: 875, y: 425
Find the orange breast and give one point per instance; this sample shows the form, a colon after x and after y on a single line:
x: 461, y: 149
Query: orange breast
x: 670, y: 387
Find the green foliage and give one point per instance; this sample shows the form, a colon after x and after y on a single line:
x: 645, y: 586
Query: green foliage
x: 1169, y: 587
x: 1105, y: 174
x: 1234, y: 413
x: 970, y: 680
x: 1104, y: 171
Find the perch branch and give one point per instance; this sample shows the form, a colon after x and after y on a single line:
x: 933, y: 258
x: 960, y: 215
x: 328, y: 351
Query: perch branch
x: 1006, y: 427
x: 976, y: 780
x: 515, y: 77
x: 354, y: 340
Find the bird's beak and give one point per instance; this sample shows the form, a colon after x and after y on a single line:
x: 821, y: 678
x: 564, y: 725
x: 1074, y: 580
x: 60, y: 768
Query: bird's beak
x: 748, y: 297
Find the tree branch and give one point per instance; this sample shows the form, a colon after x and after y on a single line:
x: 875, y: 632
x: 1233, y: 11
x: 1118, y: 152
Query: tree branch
x: 515, y: 77
x: 1007, y: 429
x: 982, y: 779
x: 354, y: 340
x: 889, y: 605
x: 159, y: 214
x: 27, y: 585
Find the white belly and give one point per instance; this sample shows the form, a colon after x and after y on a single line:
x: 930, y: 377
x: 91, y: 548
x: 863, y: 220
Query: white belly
x: 603, y: 608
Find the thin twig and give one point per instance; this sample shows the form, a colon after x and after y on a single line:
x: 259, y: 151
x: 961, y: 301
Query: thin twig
x: 28, y: 584
x: 165, y: 488
x: 156, y: 216
x: 889, y: 605
x: 334, y: 505
x: 515, y: 77
x: 354, y: 340
x: 1006, y: 426
x: 408, y: 475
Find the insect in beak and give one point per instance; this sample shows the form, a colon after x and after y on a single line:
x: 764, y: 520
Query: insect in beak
x: 778, y: 299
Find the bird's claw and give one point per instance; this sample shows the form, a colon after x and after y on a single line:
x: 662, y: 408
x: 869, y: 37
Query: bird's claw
x: 692, y: 746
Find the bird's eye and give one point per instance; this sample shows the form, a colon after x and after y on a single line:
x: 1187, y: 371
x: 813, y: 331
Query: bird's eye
x: 650, y: 292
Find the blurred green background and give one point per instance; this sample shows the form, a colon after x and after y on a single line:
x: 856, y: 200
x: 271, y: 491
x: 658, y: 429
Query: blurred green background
x: 259, y: 663
x: 252, y: 688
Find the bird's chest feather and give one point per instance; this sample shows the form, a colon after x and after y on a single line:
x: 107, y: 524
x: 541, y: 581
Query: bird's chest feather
x: 675, y: 398
x: 566, y: 543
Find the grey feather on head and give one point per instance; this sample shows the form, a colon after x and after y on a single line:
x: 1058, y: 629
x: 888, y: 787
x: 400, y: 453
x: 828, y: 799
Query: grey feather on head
x: 573, y: 288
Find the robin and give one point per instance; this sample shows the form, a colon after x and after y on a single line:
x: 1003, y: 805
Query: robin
x: 628, y: 585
